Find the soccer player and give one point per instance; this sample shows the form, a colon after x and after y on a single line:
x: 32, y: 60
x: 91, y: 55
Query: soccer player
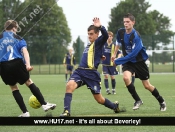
x: 86, y: 73
x: 107, y: 64
x: 134, y: 61
x: 15, y: 66
x: 69, y: 62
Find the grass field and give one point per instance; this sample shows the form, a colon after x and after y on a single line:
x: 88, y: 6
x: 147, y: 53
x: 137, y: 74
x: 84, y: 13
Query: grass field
x: 83, y: 104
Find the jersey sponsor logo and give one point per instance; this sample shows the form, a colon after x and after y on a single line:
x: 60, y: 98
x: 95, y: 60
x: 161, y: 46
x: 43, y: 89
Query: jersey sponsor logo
x: 107, y: 50
x: 5, y: 42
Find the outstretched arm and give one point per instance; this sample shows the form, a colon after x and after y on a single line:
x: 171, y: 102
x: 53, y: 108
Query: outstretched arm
x: 103, y: 38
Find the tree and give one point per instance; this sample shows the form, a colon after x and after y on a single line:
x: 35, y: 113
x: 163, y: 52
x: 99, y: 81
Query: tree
x: 151, y: 25
x: 8, y: 11
x: 78, y: 46
x: 43, y: 24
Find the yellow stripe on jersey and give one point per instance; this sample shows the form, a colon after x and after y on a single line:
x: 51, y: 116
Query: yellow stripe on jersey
x: 90, y: 56
x: 112, y: 52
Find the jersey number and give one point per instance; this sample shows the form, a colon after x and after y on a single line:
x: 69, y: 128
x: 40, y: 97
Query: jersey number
x: 10, y: 48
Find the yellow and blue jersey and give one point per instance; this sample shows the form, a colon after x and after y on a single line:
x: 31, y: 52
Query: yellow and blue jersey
x: 93, y: 52
x: 108, y: 51
x: 69, y: 59
x: 11, y: 46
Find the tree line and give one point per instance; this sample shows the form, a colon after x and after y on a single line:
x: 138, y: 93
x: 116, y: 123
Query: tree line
x: 43, y: 24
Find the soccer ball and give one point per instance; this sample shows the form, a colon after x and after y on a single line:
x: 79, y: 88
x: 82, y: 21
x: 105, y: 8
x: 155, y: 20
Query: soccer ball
x: 34, y: 103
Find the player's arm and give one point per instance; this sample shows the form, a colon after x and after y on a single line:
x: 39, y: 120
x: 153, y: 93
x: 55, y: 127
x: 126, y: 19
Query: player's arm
x: 103, y: 38
x: 135, y: 50
x: 27, y: 59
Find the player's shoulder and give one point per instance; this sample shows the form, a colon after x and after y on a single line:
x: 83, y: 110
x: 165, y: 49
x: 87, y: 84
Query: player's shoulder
x: 121, y: 30
x: 17, y: 37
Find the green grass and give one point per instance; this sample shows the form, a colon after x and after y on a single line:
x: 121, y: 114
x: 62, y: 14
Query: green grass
x: 83, y: 104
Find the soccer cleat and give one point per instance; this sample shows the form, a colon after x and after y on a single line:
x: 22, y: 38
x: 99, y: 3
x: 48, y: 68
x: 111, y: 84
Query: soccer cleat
x: 108, y: 91
x: 137, y: 104
x: 48, y: 106
x: 113, y: 91
x: 65, y: 113
x: 163, y: 106
x: 27, y: 114
x: 116, y: 110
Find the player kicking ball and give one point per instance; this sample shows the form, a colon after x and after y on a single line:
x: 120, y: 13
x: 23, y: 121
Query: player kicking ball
x: 86, y: 73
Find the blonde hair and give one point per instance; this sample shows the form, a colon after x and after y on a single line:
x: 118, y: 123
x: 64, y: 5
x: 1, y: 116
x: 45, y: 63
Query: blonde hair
x: 10, y: 24
x: 110, y: 33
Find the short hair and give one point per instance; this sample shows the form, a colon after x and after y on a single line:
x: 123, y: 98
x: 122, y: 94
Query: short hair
x: 92, y: 27
x: 110, y: 33
x: 10, y: 24
x: 130, y: 16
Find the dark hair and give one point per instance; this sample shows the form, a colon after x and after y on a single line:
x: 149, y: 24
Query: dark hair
x: 130, y: 16
x: 10, y: 24
x: 92, y: 27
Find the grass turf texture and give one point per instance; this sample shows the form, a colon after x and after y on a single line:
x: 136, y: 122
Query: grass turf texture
x: 53, y: 89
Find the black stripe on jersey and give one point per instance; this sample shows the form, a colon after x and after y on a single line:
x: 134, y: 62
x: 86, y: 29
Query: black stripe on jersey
x: 17, y: 36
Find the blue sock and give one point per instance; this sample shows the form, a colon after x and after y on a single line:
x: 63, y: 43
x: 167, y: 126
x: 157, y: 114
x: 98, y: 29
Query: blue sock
x: 109, y: 104
x: 106, y: 83
x: 67, y: 101
x: 113, y: 82
x: 133, y: 79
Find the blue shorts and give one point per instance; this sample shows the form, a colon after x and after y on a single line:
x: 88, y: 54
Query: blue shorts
x: 110, y: 70
x: 69, y: 68
x: 90, y: 78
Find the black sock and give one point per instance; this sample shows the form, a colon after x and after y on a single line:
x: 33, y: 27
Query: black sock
x: 133, y: 92
x: 66, y: 76
x: 106, y: 83
x: 156, y: 94
x: 19, y: 100
x: 36, y: 92
x: 133, y: 79
x: 113, y: 82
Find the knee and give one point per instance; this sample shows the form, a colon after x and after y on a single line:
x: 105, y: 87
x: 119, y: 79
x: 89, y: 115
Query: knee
x: 147, y: 86
x: 126, y: 79
x: 28, y: 82
x: 70, y: 87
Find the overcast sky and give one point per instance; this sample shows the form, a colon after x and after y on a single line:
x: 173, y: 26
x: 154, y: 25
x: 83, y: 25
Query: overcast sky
x: 79, y: 13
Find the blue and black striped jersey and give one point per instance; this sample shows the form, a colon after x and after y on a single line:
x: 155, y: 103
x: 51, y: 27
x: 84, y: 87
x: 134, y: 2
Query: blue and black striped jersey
x: 135, y: 51
x: 92, y: 54
x: 11, y: 46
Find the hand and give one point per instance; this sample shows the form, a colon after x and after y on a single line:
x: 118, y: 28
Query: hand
x: 113, y: 58
x: 29, y: 68
x: 103, y: 58
x: 114, y: 62
x: 97, y: 22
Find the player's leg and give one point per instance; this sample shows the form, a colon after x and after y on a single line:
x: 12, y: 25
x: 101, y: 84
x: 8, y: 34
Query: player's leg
x: 19, y: 100
x: 70, y: 87
x: 9, y: 77
x: 37, y: 93
x: 106, y: 83
x: 112, y: 72
x: 113, y: 83
x: 107, y: 103
x: 155, y: 93
x: 133, y: 78
x: 131, y: 89
x: 24, y: 77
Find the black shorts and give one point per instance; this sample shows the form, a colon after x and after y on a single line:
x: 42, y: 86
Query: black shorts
x: 139, y: 68
x: 13, y: 72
